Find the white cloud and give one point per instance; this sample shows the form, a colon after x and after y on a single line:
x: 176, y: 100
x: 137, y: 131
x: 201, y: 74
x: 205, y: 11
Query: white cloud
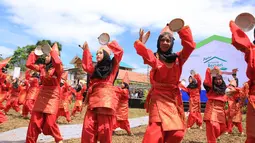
x: 79, y: 20
x: 5, y: 52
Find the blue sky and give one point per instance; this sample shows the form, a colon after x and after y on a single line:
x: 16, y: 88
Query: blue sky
x: 72, y: 23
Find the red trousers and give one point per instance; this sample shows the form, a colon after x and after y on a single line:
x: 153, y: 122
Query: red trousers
x: 214, y: 130
x: 155, y: 134
x: 28, y: 106
x: 3, y: 118
x: 250, y: 124
x: 76, y: 109
x: 123, y: 124
x: 12, y: 104
x: 62, y: 112
x: 45, y: 123
x: 97, y: 127
x: 232, y: 124
x: 194, y: 117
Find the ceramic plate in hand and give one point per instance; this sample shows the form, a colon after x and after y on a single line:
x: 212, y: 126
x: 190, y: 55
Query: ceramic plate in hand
x: 46, y: 49
x: 38, y: 50
x: 245, y: 21
x: 104, y: 38
x: 176, y: 24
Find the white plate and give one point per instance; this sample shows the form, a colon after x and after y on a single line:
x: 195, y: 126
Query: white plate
x: 38, y: 50
x: 104, y: 38
x: 176, y: 24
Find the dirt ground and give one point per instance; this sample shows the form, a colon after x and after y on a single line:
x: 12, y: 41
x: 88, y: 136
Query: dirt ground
x: 15, y: 120
x: 194, y: 135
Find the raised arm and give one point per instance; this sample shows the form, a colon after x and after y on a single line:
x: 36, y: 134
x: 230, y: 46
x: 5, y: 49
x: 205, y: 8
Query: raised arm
x: 117, y: 51
x: 239, y: 39
x: 188, y: 44
x: 31, y: 62
x: 147, y: 55
x: 182, y: 87
x: 57, y: 63
x: 87, y: 64
x: 198, y: 78
x: 208, y: 79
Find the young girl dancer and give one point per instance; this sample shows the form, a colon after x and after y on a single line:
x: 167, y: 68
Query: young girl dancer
x: 164, y: 102
x: 101, y: 97
x: 44, y: 114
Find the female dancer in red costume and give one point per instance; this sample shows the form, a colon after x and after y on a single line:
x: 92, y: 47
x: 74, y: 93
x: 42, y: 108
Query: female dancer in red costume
x: 23, y: 91
x: 32, y: 78
x: 65, y: 98
x: 3, y: 91
x: 43, y: 118
x: 122, y: 109
x: 13, y: 100
x: 80, y: 89
x: 4, y: 84
x: 242, y: 43
x: 193, y: 90
x: 164, y: 102
x: 235, y: 102
x: 214, y: 116
x: 101, y: 97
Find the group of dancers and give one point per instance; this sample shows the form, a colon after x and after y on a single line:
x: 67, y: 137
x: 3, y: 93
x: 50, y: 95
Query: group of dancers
x: 107, y: 105
x: 23, y: 92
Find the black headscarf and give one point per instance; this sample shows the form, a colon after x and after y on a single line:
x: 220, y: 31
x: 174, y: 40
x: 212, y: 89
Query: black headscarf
x: 36, y: 75
x: 126, y: 86
x: 4, y: 69
x: 15, y: 84
x: 193, y: 84
x: 219, y: 89
x: 103, y: 68
x: 207, y: 88
x: 78, y: 88
x: 167, y: 56
x: 234, y: 76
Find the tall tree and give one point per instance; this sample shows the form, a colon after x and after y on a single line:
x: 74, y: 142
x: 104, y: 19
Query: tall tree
x: 21, y: 53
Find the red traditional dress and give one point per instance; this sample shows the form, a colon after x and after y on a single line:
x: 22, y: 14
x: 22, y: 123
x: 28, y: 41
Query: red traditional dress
x: 102, y: 100
x: 122, y: 110
x: 32, y: 93
x: 214, y: 116
x: 78, y: 100
x: 23, y: 92
x: 43, y: 118
x: 235, y: 113
x: 65, y: 99
x: 4, y: 92
x: 241, y: 42
x: 164, y: 102
x: 194, y: 104
x: 13, y: 100
x: 4, y: 86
